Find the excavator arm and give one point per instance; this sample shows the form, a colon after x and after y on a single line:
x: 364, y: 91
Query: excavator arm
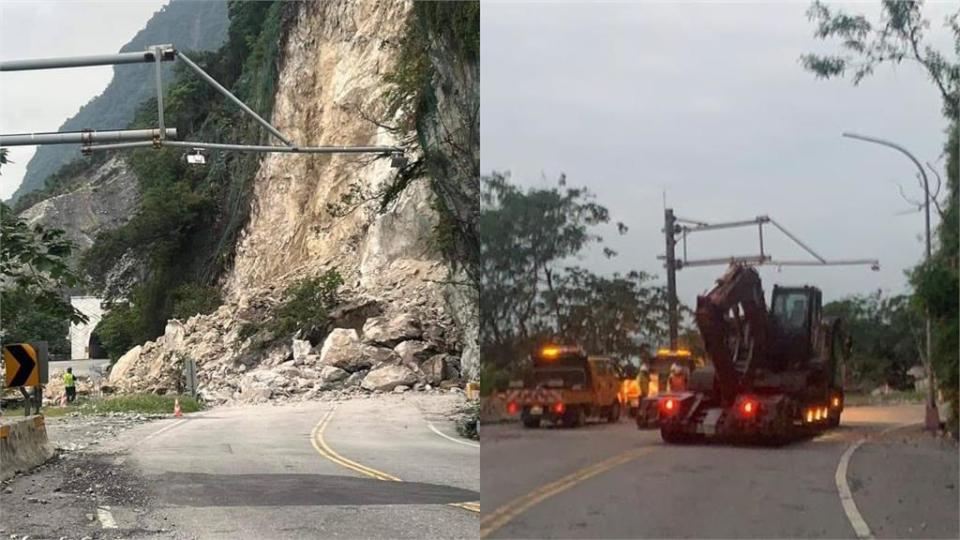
x: 732, y: 318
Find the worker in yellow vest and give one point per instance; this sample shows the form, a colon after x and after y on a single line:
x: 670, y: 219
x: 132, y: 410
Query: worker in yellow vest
x: 643, y: 378
x: 70, y: 385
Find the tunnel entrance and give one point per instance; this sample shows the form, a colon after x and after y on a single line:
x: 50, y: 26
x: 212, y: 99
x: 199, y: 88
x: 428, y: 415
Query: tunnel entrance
x: 95, y: 349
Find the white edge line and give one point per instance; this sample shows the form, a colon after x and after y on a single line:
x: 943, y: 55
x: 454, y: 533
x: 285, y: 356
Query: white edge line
x: 449, y: 438
x: 846, y: 497
x: 106, y: 518
x: 860, y: 526
x: 122, y: 459
x: 161, y: 430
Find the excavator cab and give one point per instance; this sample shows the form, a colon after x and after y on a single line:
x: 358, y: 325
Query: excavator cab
x: 795, y: 313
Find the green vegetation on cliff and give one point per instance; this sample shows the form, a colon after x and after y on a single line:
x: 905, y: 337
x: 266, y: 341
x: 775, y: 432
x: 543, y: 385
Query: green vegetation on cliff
x: 189, y: 219
x: 441, y: 53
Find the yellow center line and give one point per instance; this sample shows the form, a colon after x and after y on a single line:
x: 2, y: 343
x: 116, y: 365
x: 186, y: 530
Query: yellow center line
x: 324, y: 449
x: 503, y: 515
x: 321, y: 446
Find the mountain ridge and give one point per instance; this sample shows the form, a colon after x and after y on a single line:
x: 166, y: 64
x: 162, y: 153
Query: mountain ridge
x: 187, y: 24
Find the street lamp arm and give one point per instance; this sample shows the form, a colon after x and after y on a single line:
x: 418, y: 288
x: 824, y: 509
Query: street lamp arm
x: 891, y: 145
x: 932, y: 415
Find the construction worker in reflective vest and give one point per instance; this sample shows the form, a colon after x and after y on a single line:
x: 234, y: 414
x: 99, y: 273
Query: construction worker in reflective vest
x: 678, y: 378
x: 70, y: 385
x: 643, y: 378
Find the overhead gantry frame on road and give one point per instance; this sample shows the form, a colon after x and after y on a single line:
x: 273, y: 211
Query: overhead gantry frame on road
x: 674, y: 226
x: 161, y: 135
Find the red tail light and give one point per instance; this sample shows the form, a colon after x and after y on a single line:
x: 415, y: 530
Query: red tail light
x: 558, y: 407
x: 748, y: 407
x: 669, y: 405
x: 512, y: 407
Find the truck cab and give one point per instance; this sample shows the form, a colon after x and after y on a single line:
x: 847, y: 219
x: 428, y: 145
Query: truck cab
x: 567, y: 386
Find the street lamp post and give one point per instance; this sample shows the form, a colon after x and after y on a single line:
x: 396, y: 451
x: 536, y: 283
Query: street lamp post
x: 932, y: 419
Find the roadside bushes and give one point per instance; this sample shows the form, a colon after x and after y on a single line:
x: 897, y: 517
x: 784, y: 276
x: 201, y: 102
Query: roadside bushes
x: 305, y: 308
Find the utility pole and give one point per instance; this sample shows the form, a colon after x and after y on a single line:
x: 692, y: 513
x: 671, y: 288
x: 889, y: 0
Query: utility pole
x: 932, y: 417
x: 670, y: 231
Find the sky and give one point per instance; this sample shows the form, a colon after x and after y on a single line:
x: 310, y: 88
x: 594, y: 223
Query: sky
x: 36, y: 101
x: 706, y: 104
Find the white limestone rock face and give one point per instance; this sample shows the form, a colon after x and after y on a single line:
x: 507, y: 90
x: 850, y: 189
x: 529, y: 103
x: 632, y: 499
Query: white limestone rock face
x: 104, y: 200
x: 333, y: 64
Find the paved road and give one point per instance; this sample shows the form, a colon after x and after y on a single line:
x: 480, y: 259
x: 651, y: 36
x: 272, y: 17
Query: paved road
x: 613, y: 481
x: 385, y: 467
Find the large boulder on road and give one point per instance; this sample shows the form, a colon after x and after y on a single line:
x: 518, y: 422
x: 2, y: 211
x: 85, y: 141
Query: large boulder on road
x: 301, y: 349
x: 259, y: 385
x: 330, y: 374
x: 122, y: 367
x: 391, y: 331
x: 342, y: 349
x: 414, y: 351
x: 440, y: 367
x: 387, y: 377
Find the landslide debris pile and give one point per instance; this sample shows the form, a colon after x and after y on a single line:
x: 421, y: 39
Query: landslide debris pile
x: 370, y: 347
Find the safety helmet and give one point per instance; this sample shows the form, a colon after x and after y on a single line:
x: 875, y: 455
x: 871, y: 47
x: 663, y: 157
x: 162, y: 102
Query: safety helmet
x: 644, y: 368
x: 675, y: 368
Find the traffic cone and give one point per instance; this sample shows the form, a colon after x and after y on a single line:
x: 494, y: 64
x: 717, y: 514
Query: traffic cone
x: 176, y: 408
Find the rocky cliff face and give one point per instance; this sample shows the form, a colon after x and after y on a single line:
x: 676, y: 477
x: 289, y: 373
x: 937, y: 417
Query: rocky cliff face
x: 104, y: 200
x: 401, y: 326
x: 333, y: 66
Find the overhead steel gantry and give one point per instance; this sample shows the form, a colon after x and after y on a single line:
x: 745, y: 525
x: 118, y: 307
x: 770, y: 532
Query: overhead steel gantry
x: 162, y: 136
x: 674, y: 226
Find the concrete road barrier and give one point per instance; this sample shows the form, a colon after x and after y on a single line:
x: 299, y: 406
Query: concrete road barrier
x: 23, y: 444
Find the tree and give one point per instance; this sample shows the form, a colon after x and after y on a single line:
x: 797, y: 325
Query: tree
x: 529, y: 292
x: 887, y: 338
x: 899, y: 36
x: 524, y: 236
x: 937, y: 285
x: 34, y: 270
x: 613, y: 315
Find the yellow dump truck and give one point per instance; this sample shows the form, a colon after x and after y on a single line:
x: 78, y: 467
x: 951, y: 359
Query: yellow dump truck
x: 566, y: 386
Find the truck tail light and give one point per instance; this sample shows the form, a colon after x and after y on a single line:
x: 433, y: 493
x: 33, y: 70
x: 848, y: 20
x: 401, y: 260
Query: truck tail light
x: 558, y: 407
x: 669, y: 406
x: 512, y: 407
x: 748, y: 407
